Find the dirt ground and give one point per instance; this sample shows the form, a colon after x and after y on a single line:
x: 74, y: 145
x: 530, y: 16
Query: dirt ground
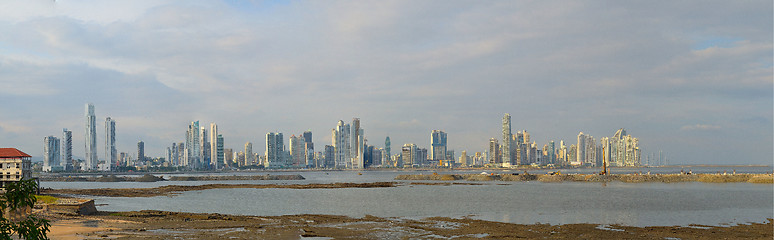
x: 174, y: 225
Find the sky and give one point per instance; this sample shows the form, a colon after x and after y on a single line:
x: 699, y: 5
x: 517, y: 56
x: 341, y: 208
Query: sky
x: 693, y: 79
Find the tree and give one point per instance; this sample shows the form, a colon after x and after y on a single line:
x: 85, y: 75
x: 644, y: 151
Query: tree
x: 19, y: 196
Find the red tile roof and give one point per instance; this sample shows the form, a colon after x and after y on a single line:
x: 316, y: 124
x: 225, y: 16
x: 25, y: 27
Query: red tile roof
x: 12, y: 153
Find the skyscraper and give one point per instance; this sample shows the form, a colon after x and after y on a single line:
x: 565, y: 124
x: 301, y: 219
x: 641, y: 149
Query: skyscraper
x: 309, y: 146
x: 140, y: 151
x: 204, y: 148
x: 495, y: 156
x: 437, y: 145
x: 249, y: 154
x: 216, y: 147
x: 409, y: 156
x: 340, y: 140
x: 358, y: 143
x: 67, y: 148
x: 275, y: 151
x: 111, y: 154
x: 50, y: 154
x: 507, y: 137
x: 297, y: 151
x: 90, y: 139
x: 219, y: 148
x: 386, y: 155
x: 192, y: 145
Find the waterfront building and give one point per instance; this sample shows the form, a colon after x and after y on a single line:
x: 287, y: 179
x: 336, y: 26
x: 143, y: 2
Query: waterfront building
x: 51, y: 154
x: 111, y: 154
x: 297, y: 151
x: 438, y: 145
x: 67, y: 149
x: 248, y: 159
x: 216, y: 147
x: 309, y: 146
x: 329, y: 156
x: 507, y: 137
x: 340, y: 140
x: 409, y: 156
x: 15, y: 165
x: 180, y: 154
x: 228, y: 158
x: 624, y: 149
x: 173, y: 155
x: 90, y: 163
x: 572, y: 155
x: 141, y: 151
x: 192, y: 156
x: 204, y: 148
x: 357, y: 147
x: 275, y: 151
x: 464, y: 160
x: 494, y: 154
x: 387, y: 154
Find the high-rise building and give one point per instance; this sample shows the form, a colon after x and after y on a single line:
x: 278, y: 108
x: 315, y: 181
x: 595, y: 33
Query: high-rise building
x: 494, y: 154
x: 221, y: 159
x: 67, y: 149
x: 216, y: 147
x: 173, y: 155
x: 409, y: 156
x: 228, y: 158
x: 192, y: 145
x: 111, y: 154
x: 464, y: 161
x: 357, y: 145
x: 329, y: 156
x: 90, y: 139
x: 387, y: 154
x: 624, y: 149
x: 140, y: 151
x: 180, y: 154
x: 204, y: 147
x: 507, y: 137
x: 309, y: 146
x: 297, y: 151
x: 51, y: 154
x: 275, y: 151
x: 437, y: 146
x: 340, y: 140
x: 249, y: 154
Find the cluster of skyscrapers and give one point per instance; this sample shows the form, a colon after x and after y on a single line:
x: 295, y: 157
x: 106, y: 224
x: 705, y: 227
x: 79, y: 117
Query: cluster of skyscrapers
x: 516, y: 149
x: 203, y: 149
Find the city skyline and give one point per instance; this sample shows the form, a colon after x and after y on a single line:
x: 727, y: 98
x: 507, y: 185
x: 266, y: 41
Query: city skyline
x: 698, y: 86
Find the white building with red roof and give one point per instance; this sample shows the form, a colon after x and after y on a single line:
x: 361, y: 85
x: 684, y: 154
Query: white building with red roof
x: 15, y: 165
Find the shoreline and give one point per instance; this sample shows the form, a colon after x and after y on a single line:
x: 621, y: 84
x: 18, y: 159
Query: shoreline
x: 625, y: 178
x: 164, y: 225
x: 393, y: 170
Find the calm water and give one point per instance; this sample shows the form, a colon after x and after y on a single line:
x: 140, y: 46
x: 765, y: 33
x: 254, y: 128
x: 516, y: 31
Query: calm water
x: 641, y: 204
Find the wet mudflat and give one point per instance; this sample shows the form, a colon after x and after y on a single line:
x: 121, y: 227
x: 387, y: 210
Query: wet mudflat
x: 168, y: 225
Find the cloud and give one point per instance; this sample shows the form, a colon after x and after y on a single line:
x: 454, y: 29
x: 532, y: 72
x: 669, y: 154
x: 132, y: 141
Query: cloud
x: 700, y: 127
x: 404, y: 67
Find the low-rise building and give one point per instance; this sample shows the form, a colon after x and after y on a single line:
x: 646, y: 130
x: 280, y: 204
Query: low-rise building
x: 15, y: 165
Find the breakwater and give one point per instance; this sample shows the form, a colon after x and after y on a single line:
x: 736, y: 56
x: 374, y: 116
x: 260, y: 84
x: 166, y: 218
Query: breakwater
x: 227, y: 178
x: 628, y: 178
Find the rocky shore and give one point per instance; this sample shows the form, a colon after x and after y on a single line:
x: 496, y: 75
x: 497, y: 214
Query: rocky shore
x: 176, y: 225
x: 229, y: 178
x: 175, y: 189
x: 627, y: 178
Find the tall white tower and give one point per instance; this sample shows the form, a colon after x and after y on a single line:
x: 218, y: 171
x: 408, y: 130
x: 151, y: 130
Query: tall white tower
x: 90, y: 139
